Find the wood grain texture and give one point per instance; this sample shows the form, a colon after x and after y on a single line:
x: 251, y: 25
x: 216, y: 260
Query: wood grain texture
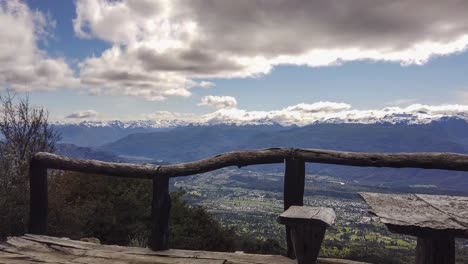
x: 297, y: 214
x: 421, y: 215
x: 307, y: 226
x: 44, y: 249
x: 38, y: 201
x: 160, y: 211
x: 293, y: 192
x: 444, y: 161
x: 438, y: 250
x: 307, y: 240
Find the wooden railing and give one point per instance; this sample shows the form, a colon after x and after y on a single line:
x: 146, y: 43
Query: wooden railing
x: 294, y: 160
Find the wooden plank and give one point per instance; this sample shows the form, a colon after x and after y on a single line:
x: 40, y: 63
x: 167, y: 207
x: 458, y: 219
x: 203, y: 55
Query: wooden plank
x: 294, y: 180
x: 338, y: 261
x: 38, y: 197
x: 31, y: 251
x: 50, y: 251
x: 160, y: 210
x: 230, y: 257
x: 63, y: 242
x: 429, y: 160
x: 409, y: 214
x: 45, y: 249
x: 454, y: 206
x: 298, y: 213
x: 245, y: 257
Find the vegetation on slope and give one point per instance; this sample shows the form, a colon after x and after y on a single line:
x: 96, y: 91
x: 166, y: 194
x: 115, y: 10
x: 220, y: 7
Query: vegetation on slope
x: 117, y: 211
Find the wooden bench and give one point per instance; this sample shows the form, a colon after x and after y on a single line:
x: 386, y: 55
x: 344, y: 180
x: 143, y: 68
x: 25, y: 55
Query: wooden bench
x: 435, y: 219
x: 307, y: 225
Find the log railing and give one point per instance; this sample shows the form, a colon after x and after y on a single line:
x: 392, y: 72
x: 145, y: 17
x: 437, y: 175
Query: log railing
x: 293, y: 183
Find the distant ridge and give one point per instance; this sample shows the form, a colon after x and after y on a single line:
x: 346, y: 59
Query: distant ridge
x: 420, y: 118
x: 140, y: 142
x: 98, y: 133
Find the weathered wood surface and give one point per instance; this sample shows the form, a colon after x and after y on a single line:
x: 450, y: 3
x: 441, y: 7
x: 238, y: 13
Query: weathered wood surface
x: 305, y: 213
x: 421, y: 215
x: 160, y: 210
x: 43, y: 249
x: 307, y: 241
x: 444, y: 161
x: 293, y: 192
x: 38, y: 198
x: 435, y: 250
x: 434, y: 219
x: 307, y: 226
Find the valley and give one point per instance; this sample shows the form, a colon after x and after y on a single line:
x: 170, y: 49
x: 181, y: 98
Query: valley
x: 250, y: 201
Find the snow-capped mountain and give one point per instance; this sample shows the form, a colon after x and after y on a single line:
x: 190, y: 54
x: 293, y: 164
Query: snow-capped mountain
x: 176, y: 142
x: 297, y: 115
x: 224, y: 118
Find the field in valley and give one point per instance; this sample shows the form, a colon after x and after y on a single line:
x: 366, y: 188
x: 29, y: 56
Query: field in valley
x: 250, y: 201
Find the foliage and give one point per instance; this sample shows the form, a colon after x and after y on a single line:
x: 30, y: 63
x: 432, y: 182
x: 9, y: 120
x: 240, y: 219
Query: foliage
x: 117, y: 211
x: 193, y: 228
x: 24, y: 130
x: 111, y: 209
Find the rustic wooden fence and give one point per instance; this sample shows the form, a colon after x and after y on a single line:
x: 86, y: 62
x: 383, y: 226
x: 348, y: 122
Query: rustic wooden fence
x: 294, y: 160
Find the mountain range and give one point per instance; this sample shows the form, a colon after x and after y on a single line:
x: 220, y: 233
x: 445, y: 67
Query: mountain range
x: 149, y: 143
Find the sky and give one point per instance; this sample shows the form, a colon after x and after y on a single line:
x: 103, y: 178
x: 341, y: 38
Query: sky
x: 299, y: 59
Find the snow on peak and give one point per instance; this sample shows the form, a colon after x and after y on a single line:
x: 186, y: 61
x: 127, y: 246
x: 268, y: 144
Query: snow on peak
x: 300, y: 115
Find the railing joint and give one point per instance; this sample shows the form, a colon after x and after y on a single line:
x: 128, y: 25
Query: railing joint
x: 292, y: 153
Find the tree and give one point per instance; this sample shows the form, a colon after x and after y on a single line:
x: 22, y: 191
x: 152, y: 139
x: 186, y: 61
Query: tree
x: 192, y: 227
x: 24, y: 131
x: 118, y: 211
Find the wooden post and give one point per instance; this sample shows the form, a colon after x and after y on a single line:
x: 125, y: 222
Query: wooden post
x: 38, y: 198
x: 435, y: 250
x: 307, y: 240
x: 307, y: 225
x: 161, y: 207
x: 294, y: 179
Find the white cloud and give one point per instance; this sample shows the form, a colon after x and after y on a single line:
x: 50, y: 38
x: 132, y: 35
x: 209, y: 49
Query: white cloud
x: 165, y: 48
x: 23, y: 66
x: 319, y: 107
x: 205, y: 84
x: 305, y: 114
x: 433, y: 109
x: 86, y: 114
x: 218, y: 101
x: 171, y: 116
x: 402, y: 102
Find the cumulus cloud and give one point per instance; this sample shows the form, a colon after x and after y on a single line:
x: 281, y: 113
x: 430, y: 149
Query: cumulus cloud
x: 332, y: 112
x: 319, y: 107
x: 402, y: 102
x: 23, y: 66
x: 86, y: 114
x: 205, y: 84
x: 218, y: 101
x: 165, y: 48
x: 172, y: 116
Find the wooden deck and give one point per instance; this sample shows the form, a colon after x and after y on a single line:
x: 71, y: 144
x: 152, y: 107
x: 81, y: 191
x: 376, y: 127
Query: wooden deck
x: 44, y: 249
